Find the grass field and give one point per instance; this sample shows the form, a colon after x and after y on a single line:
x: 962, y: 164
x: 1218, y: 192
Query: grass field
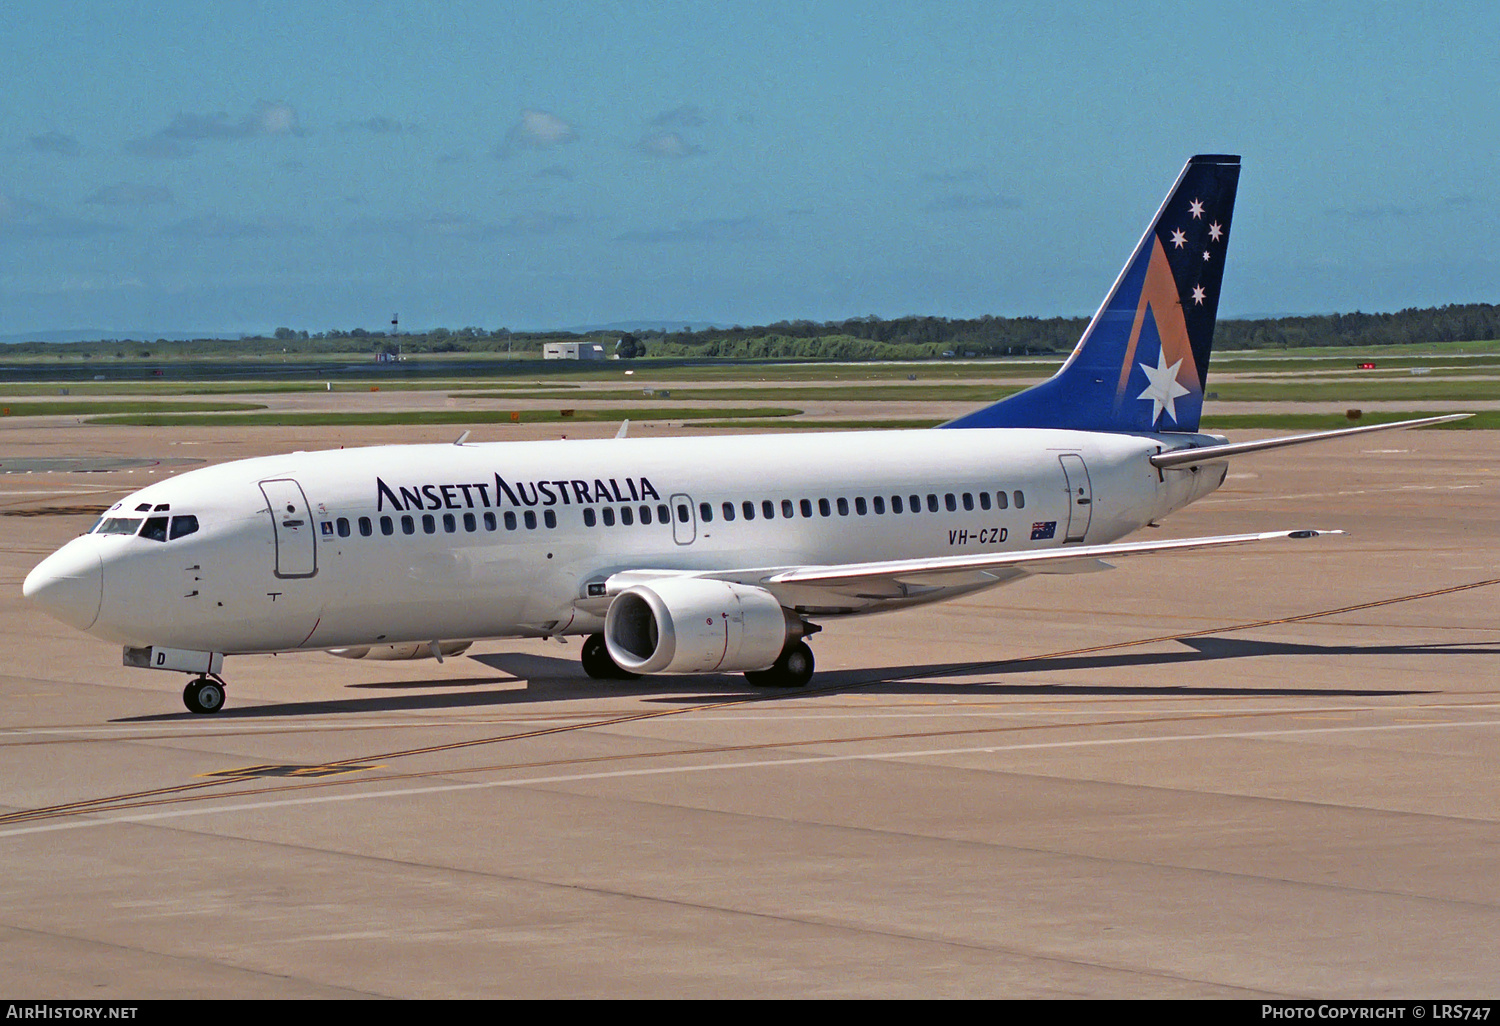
x: 72, y: 408
x: 396, y: 417
x: 1466, y: 373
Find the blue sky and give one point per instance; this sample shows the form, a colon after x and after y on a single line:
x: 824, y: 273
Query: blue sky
x: 177, y: 167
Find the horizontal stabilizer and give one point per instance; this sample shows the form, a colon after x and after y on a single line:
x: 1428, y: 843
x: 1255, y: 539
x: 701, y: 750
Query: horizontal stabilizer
x: 1209, y: 453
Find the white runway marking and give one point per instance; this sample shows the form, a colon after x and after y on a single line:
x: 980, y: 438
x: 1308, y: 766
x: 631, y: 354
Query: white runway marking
x: 924, y: 753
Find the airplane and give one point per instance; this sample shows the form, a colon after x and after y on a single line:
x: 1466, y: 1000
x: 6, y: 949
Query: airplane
x: 684, y: 555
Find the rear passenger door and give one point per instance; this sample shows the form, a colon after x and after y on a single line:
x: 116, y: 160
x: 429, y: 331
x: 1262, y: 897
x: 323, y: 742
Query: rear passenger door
x: 1080, y: 497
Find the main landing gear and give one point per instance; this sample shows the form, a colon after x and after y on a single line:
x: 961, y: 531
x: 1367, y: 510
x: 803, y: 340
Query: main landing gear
x: 598, y: 664
x: 204, y: 694
x: 793, y: 669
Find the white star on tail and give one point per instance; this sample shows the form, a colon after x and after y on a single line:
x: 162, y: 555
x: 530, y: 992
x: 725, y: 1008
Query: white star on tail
x: 1164, y: 388
x: 1179, y: 239
x: 1198, y: 297
x: 1214, y: 231
x: 1196, y: 208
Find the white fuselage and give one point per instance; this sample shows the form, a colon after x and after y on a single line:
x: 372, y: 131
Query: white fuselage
x: 316, y: 550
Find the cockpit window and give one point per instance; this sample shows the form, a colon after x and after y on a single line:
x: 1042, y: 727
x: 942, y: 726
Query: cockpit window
x: 155, y: 529
x: 184, y: 525
x: 119, y: 525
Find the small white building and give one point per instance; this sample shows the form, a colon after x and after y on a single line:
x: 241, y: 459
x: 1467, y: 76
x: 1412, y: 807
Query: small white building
x: 572, y: 351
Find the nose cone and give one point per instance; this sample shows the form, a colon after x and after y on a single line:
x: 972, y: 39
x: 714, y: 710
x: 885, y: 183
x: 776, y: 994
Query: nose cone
x: 69, y: 584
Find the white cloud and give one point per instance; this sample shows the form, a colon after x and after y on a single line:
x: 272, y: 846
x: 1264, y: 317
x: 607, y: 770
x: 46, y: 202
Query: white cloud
x: 537, y: 130
x: 667, y: 144
x: 187, y: 128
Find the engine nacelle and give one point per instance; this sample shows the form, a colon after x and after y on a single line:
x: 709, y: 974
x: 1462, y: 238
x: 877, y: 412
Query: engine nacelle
x: 401, y: 650
x: 692, y: 625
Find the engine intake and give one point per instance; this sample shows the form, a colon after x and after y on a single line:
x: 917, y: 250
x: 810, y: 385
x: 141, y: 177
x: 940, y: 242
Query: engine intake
x: 693, y: 625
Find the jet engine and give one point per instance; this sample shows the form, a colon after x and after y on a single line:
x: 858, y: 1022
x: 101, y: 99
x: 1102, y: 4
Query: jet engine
x: 693, y: 625
x: 401, y: 650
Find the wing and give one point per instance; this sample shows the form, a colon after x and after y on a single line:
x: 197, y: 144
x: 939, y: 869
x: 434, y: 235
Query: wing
x: 863, y: 587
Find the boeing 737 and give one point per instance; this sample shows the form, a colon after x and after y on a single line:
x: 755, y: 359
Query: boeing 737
x: 690, y: 555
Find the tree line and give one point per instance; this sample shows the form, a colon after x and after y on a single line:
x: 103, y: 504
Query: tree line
x: 857, y: 338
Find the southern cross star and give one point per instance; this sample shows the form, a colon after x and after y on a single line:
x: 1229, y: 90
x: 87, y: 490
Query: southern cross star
x: 1164, y: 388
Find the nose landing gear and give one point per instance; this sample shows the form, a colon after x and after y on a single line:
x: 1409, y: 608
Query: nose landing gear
x: 204, y: 695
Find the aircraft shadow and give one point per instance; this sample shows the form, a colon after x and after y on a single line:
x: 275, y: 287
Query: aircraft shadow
x: 559, y: 678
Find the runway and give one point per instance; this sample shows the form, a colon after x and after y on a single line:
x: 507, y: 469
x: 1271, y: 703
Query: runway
x: 1264, y: 772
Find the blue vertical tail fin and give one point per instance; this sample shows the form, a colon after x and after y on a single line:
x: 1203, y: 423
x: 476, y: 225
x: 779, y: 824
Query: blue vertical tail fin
x: 1142, y: 362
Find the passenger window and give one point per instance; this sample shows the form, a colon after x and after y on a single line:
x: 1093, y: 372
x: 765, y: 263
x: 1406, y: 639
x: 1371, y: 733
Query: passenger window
x: 645, y: 514
x: 589, y: 520
x: 932, y: 503
x: 748, y: 508
x: 984, y: 500
x: 916, y: 504
x: 824, y: 509
x: 510, y: 520
x: 843, y: 506
x: 683, y: 513
x: 968, y: 500
x: 896, y: 506
x: 530, y: 517
x: 806, y: 505
x: 626, y: 516
x: 663, y: 514
x: 549, y: 517
x: 705, y: 512
x: 728, y: 508
x: 450, y: 523
x: 366, y: 528
x: 609, y: 516
x: 155, y: 529
x: 768, y: 509
x: 951, y: 501
x: 429, y: 524
x: 1001, y: 501
x: 342, y: 523
x: 408, y: 525
x: 786, y: 508
x: 470, y: 524
x: 184, y: 525
x: 879, y: 503
x: 1020, y: 499
x: 859, y: 505
x: 489, y: 521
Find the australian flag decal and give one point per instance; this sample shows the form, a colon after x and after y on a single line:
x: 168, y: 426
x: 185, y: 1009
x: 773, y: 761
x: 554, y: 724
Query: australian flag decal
x: 1043, y: 529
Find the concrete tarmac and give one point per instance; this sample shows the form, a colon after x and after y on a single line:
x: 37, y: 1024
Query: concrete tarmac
x: 1266, y: 772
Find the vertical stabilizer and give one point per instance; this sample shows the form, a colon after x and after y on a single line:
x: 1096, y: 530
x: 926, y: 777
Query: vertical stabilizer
x: 1142, y: 362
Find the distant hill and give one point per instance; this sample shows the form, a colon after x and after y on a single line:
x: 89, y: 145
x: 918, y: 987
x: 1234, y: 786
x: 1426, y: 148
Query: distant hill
x: 96, y: 334
x: 648, y: 326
